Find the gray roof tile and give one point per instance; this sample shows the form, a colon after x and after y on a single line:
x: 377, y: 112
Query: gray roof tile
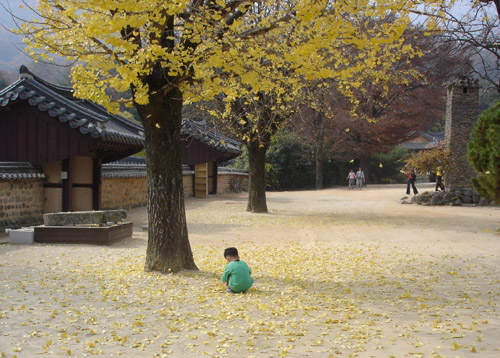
x: 59, y: 102
x: 92, y: 119
x: 19, y: 171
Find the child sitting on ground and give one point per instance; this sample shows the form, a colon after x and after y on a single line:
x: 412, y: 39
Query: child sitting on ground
x: 237, y: 274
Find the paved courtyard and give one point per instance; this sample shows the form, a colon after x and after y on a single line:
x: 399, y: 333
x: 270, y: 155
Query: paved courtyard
x: 337, y: 273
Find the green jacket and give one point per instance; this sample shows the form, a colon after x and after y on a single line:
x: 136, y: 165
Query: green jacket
x: 237, y: 274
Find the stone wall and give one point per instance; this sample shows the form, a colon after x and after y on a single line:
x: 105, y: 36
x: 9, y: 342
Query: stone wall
x: 188, y: 182
x: 21, y: 203
x: 127, y: 193
x: 231, y: 181
x: 461, y: 116
x: 123, y: 193
x: 21, y: 200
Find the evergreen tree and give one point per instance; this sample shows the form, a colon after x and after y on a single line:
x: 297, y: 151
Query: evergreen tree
x: 484, y: 153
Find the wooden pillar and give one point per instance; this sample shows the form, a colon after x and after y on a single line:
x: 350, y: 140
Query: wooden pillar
x: 216, y: 174
x: 96, y: 183
x: 67, y: 185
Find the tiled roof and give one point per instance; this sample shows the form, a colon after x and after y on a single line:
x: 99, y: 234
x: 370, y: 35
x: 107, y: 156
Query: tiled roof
x: 201, y: 131
x: 418, y: 146
x: 432, y: 136
x: 227, y: 170
x: 19, y: 171
x: 131, y: 167
x: 59, y: 102
x: 433, y: 140
x: 92, y: 119
x: 112, y: 170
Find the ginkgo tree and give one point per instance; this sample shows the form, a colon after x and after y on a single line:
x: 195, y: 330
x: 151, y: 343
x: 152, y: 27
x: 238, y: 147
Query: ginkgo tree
x: 160, y: 50
x: 255, y: 116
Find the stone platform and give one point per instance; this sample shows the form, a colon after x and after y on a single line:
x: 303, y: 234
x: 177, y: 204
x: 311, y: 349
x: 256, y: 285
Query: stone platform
x: 102, y: 227
x: 80, y: 234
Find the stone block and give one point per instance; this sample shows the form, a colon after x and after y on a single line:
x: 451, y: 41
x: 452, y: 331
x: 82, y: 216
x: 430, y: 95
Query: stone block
x: 24, y: 236
x: 114, y: 215
x: 484, y: 201
x: 436, y: 200
x: 84, y: 217
x: 466, y: 199
x: 73, y: 218
x: 448, y: 197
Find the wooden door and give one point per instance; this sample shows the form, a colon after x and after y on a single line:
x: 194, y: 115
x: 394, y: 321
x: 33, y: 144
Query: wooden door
x: 201, y: 180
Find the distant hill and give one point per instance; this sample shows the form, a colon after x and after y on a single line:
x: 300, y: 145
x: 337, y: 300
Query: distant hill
x: 11, y: 56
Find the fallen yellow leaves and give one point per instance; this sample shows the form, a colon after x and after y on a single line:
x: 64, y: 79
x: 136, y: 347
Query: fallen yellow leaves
x: 309, y: 299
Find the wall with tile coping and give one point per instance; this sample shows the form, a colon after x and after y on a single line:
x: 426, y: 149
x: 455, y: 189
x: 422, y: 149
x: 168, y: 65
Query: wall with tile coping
x: 21, y: 200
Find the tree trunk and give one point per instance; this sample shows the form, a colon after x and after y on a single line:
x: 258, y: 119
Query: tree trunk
x: 168, y: 245
x: 257, y: 177
x: 319, y: 136
x: 319, y: 167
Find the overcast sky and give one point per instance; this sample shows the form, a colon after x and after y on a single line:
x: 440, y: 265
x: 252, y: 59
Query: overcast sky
x: 10, y: 55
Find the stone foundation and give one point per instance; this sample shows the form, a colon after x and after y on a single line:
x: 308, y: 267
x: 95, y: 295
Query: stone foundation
x: 98, y: 235
x: 457, y: 197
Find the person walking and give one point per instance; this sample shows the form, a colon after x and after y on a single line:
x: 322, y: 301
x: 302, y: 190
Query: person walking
x: 360, y: 178
x: 439, y: 179
x: 351, y: 177
x: 412, y: 177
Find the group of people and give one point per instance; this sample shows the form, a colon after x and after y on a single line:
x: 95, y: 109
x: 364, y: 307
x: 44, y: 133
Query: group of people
x: 357, y: 178
x: 411, y: 176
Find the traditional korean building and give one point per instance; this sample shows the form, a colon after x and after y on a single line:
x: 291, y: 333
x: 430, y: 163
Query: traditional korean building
x: 421, y: 140
x: 67, y: 138
x: 56, y: 146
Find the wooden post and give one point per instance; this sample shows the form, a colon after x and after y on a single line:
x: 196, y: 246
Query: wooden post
x: 96, y: 183
x: 67, y: 186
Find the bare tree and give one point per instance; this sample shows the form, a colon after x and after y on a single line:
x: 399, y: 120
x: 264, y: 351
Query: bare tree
x: 477, y: 32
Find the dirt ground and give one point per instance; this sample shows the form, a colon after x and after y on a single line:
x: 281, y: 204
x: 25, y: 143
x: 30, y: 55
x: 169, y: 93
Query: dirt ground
x: 338, y: 273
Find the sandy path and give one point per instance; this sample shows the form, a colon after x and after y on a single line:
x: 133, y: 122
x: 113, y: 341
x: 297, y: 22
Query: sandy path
x: 338, y: 273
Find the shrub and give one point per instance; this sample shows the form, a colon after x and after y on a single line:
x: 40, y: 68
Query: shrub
x: 428, y: 160
x: 483, y: 152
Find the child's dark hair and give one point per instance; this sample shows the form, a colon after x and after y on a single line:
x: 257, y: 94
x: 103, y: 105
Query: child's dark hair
x: 231, y: 251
